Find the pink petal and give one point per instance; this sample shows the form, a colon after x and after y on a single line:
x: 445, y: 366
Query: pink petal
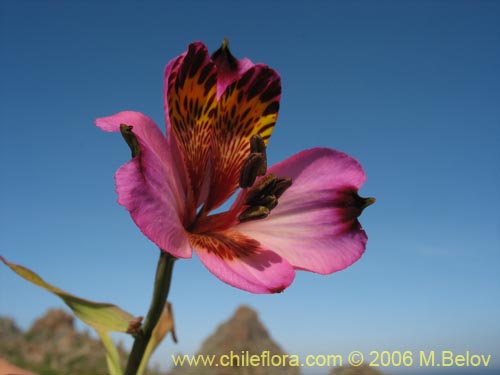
x: 147, y: 185
x: 315, y: 224
x: 241, y: 262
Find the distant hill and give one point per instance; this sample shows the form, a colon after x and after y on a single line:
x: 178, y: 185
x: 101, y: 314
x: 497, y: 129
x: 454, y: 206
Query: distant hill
x: 52, y: 346
x: 242, y: 333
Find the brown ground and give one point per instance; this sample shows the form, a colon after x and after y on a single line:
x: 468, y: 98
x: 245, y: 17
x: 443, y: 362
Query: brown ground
x: 7, y: 369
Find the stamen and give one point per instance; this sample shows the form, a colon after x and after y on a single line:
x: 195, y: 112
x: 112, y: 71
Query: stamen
x: 263, y: 197
x: 254, y: 213
x: 263, y: 188
x: 256, y: 163
x: 130, y: 138
x: 269, y: 201
x: 257, y: 145
x: 251, y: 169
x: 281, y: 186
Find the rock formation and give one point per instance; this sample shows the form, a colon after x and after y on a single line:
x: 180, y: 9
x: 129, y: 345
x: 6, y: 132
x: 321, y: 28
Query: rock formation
x: 243, y: 335
x: 52, y: 345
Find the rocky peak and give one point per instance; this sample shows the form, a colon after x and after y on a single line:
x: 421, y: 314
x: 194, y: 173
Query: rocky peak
x: 8, y: 328
x: 243, y: 327
x: 244, y: 313
x: 242, y: 333
x: 52, y: 345
x: 55, y: 322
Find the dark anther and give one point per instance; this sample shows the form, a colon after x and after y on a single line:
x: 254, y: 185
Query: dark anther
x: 256, y: 163
x: 257, y: 144
x: 268, y: 184
x: 254, y: 213
x: 264, y: 187
x: 269, y: 201
x: 130, y: 138
x: 263, y: 197
x: 281, y: 185
x: 251, y: 169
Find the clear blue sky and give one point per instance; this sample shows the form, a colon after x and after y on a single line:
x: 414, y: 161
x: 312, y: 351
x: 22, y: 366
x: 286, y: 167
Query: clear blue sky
x: 409, y: 88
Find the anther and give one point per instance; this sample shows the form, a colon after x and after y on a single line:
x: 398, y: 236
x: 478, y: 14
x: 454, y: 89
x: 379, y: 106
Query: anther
x: 130, y: 138
x: 252, y: 167
x: 269, y: 201
x: 256, y: 163
x: 254, y: 213
x: 281, y: 186
x: 258, y: 146
x: 263, y: 197
x: 264, y: 187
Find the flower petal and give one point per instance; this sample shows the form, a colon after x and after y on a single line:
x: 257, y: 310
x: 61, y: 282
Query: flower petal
x: 229, y: 69
x: 315, y: 224
x: 249, y: 106
x: 144, y: 128
x: 147, y: 185
x: 242, y: 262
x: 190, y: 107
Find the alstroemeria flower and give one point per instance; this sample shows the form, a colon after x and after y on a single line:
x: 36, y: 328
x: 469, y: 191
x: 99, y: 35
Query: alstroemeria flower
x: 300, y: 214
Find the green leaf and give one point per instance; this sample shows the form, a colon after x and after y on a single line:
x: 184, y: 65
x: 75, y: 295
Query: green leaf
x: 165, y: 325
x: 112, y: 356
x: 103, y: 317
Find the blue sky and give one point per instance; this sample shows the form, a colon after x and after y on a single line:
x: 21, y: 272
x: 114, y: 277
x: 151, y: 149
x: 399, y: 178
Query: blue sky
x: 409, y: 88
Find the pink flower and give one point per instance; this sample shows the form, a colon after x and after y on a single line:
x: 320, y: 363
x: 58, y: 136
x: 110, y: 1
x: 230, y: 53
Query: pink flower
x: 300, y: 214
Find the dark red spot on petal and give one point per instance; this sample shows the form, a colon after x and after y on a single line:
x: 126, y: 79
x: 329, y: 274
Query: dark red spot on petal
x: 273, y: 107
x: 211, y: 81
x: 268, y: 126
x: 256, y: 87
x: 226, y: 245
x: 246, y: 78
x: 204, y: 73
x: 196, y: 62
x: 272, y: 91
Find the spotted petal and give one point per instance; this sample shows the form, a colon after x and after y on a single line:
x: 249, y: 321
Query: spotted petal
x: 242, y: 262
x: 249, y: 106
x: 190, y: 107
x: 148, y: 186
x: 315, y: 224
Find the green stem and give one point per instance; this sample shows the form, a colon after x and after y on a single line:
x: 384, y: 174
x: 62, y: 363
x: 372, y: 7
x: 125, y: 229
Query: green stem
x: 160, y: 293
